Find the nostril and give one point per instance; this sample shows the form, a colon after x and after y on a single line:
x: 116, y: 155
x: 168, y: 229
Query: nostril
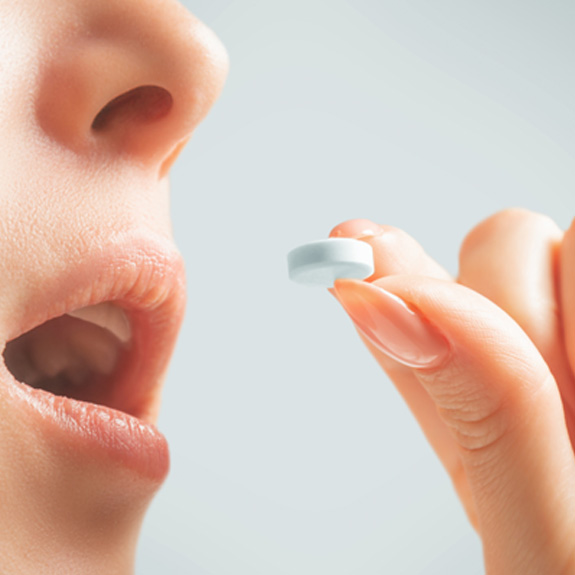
x: 144, y: 104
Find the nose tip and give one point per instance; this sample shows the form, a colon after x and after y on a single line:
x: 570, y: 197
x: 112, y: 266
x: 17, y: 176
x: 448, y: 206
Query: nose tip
x: 132, y: 81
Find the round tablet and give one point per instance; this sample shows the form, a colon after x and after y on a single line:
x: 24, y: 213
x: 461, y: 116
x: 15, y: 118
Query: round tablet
x: 320, y: 263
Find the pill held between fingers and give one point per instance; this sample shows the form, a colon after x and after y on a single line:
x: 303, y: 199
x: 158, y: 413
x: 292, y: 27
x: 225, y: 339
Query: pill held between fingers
x: 321, y: 262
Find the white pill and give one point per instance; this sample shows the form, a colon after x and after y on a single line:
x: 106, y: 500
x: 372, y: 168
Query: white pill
x: 320, y: 263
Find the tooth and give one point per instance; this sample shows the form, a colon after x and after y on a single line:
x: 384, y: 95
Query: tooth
x: 108, y: 316
x: 31, y: 376
x: 98, y: 349
x: 77, y: 374
x: 50, y: 355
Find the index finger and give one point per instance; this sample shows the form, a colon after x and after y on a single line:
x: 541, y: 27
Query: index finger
x: 397, y: 253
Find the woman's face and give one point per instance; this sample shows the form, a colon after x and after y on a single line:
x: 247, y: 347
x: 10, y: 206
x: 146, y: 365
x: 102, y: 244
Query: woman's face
x: 97, y: 98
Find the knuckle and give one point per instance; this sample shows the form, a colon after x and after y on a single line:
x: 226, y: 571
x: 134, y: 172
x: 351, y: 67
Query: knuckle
x: 476, y: 419
x: 474, y: 430
x: 500, y: 223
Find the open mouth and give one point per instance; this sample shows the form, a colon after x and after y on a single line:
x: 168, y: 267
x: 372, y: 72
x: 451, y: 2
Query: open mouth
x: 87, y: 352
x: 74, y: 355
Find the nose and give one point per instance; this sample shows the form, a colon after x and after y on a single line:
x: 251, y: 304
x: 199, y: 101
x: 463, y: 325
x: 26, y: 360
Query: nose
x: 128, y: 79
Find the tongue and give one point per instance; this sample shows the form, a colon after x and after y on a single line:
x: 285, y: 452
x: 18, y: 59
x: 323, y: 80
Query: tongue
x: 108, y: 316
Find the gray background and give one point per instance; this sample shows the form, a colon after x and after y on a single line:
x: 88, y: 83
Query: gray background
x: 292, y: 453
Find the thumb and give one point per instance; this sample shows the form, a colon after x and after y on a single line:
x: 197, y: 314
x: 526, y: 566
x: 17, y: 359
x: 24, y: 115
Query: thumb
x: 500, y: 402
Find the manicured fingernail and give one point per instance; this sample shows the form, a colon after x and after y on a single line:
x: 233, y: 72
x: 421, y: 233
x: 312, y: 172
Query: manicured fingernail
x: 356, y: 229
x: 388, y: 322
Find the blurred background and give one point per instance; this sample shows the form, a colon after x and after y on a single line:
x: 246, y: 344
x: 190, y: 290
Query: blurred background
x: 292, y: 453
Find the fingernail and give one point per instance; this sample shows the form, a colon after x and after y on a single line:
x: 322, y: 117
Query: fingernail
x: 356, y: 229
x: 393, y: 327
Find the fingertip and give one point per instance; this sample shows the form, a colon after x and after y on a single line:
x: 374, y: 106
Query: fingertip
x: 357, y: 229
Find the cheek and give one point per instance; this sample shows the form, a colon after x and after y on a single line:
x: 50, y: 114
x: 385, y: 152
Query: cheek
x: 19, y: 64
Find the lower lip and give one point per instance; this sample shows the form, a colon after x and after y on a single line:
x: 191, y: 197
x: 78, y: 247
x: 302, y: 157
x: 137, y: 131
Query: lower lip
x: 90, y: 430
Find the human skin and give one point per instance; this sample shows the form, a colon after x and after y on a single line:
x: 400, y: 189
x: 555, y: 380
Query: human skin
x: 84, y: 198
x: 85, y: 218
x: 486, y: 363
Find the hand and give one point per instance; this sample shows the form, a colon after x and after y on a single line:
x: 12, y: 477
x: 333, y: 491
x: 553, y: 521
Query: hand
x: 486, y: 364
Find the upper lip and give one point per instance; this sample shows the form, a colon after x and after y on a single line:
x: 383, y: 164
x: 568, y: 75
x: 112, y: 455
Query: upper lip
x: 146, y: 278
